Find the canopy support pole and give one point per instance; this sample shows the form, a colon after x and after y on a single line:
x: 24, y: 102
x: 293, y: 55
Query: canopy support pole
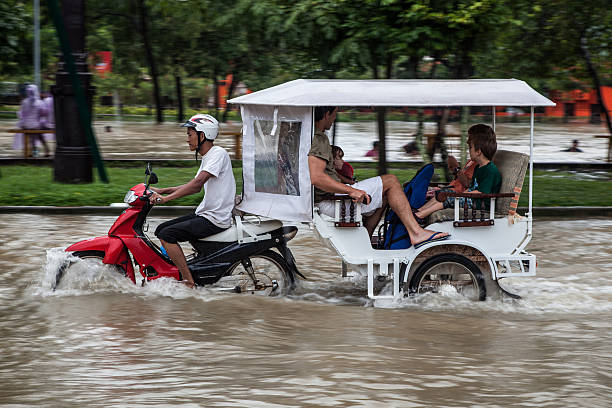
x: 531, y: 165
x: 493, y: 114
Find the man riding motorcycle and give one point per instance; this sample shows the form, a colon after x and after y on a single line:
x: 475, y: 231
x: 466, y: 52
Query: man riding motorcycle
x: 215, y: 176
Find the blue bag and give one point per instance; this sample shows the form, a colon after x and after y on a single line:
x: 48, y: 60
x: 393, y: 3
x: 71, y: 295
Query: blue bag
x: 395, y: 233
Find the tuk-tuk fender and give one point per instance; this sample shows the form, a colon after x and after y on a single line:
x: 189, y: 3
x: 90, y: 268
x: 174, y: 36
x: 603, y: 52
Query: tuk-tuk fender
x: 453, y: 243
x: 115, y: 252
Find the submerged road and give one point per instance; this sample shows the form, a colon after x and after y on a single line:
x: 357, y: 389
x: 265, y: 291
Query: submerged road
x: 102, y: 341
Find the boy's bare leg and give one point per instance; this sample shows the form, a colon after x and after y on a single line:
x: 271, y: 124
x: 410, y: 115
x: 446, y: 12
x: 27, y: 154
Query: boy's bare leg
x: 428, y: 204
x: 430, y: 207
x: 393, y: 191
x: 175, y: 252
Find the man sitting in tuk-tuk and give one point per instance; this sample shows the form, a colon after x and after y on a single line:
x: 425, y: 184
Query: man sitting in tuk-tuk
x: 379, y: 191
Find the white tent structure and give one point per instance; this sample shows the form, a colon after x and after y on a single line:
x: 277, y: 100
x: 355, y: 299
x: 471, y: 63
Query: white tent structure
x: 397, y: 92
x: 278, y: 126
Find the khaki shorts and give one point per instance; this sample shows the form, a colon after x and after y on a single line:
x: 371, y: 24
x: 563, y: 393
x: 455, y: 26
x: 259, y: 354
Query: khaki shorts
x: 373, y: 186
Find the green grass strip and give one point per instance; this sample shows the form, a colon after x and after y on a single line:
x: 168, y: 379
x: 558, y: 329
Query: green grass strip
x: 34, y: 186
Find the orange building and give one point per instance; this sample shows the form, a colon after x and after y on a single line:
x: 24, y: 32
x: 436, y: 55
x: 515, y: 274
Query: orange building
x: 579, y: 103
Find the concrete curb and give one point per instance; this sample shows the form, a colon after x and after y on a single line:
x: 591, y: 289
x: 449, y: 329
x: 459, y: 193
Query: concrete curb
x: 569, y: 212
x: 90, y: 210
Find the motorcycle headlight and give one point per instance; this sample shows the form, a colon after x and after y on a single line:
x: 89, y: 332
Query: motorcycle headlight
x: 130, y: 197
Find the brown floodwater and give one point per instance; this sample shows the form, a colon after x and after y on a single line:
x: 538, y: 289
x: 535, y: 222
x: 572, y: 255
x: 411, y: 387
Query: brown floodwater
x: 102, y: 341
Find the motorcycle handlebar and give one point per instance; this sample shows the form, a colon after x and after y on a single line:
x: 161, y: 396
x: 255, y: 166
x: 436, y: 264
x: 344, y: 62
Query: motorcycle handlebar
x: 146, y: 195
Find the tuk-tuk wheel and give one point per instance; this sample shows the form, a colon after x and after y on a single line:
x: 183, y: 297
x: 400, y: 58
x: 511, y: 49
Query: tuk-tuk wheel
x: 449, y: 273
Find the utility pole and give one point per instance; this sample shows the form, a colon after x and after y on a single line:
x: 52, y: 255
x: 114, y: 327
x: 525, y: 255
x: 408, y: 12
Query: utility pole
x: 72, y: 98
x: 37, y: 44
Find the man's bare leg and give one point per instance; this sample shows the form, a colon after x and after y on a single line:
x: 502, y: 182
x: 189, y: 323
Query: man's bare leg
x: 371, y: 221
x: 393, y: 191
x: 175, y: 252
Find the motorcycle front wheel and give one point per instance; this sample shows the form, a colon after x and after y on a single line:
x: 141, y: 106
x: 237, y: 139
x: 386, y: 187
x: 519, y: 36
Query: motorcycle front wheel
x: 88, y: 266
x: 265, y: 274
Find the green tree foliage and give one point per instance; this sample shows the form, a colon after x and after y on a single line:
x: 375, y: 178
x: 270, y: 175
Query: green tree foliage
x: 17, y: 42
x: 267, y: 42
x: 13, y: 22
x: 542, y: 43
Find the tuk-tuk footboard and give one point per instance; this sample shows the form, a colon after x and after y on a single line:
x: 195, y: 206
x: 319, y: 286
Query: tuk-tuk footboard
x: 383, y: 270
x: 508, y: 266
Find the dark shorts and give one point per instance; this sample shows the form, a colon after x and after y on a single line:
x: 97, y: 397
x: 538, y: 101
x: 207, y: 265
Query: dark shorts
x: 189, y: 227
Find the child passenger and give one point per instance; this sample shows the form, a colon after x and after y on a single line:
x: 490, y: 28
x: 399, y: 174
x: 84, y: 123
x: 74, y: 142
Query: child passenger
x: 345, y: 171
x: 486, y: 179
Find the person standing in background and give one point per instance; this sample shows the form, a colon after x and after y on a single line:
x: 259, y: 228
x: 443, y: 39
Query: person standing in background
x: 47, y: 120
x: 29, y: 115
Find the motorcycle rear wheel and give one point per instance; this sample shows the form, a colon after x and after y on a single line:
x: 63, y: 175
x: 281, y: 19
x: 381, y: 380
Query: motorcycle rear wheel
x: 272, y: 274
x: 87, y: 259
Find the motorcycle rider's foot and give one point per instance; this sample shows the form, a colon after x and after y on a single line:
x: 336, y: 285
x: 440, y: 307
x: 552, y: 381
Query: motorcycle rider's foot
x: 189, y: 284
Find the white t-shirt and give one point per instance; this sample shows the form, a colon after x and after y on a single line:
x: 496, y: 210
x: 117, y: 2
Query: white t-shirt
x: 219, y: 190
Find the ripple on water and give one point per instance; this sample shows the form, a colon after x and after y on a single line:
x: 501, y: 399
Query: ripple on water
x: 103, y: 341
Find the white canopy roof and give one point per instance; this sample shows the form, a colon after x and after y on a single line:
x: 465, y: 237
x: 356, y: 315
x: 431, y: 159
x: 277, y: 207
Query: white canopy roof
x: 397, y: 92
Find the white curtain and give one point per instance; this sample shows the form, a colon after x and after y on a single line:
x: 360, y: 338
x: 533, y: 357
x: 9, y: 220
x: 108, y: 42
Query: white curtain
x: 275, y: 145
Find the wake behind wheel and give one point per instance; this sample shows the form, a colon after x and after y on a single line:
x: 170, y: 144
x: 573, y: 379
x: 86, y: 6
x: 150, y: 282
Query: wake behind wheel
x: 449, y: 273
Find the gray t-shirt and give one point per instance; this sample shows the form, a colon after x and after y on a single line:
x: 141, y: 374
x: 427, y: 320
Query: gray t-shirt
x: 321, y: 148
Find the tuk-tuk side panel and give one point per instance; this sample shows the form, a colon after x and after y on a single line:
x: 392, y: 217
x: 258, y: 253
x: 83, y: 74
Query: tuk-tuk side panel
x: 501, y: 238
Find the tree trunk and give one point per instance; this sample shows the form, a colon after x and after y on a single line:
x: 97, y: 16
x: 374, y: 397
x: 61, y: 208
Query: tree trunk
x: 334, y: 130
x: 441, y: 141
x: 216, y: 91
x: 230, y: 91
x: 382, y: 135
x: 465, y: 113
x: 179, y: 98
x: 389, y: 66
x: 414, y: 66
x: 595, y: 77
x: 418, y: 137
x: 142, y: 13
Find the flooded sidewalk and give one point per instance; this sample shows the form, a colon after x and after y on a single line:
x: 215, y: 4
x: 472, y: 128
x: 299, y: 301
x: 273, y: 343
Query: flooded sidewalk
x: 166, y: 141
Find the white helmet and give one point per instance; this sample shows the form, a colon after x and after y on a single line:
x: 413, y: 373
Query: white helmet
x: 204, y: 123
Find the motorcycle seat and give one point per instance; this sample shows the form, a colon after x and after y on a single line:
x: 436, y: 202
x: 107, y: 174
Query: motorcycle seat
x: 250, y: 226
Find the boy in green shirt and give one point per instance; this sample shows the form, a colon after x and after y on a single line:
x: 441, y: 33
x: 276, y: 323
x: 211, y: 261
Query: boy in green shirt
x: 486, y: 179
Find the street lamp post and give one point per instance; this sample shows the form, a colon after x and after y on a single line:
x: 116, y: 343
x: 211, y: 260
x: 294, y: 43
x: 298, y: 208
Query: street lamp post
x: 73, y: 158
x: 37, y: 43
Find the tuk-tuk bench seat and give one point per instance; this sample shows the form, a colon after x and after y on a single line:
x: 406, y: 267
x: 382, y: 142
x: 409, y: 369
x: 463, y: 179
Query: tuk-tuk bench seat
x: 512, y: 167
x: 448, y: 214
x: 348, y: 213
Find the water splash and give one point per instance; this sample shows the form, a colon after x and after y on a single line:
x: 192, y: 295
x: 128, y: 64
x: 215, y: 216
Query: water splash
x: 86, y: 276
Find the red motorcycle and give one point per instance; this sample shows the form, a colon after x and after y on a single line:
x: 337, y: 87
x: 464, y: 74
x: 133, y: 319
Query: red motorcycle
x: 240, y: 259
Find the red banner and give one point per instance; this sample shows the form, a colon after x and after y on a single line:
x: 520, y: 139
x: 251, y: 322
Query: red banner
x: 104, y: 62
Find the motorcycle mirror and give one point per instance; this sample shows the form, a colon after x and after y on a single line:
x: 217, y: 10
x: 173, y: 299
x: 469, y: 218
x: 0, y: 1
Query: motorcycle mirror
x: 153, y: 178
x: 148, y: 169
